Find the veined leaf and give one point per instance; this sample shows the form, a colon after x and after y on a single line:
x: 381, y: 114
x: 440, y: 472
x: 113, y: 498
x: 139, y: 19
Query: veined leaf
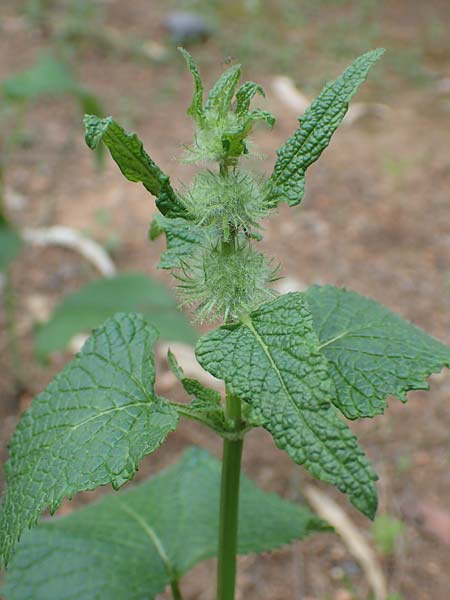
x: 195, y: 109
x: 128, y: 152
x: 161, y: 529
x: 372, y: 353
x: 182, y: 238
x: 317, y: 126
x: 272, y: 361
x: 221, y: 94
x: 97, y: 301
x: 10, y: 245
x: 91, y: 426
x: 245, y: 95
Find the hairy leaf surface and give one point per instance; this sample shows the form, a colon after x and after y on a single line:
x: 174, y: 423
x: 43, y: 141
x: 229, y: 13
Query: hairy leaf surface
x: 221, y: 94
x: 273, y: 362
x: 128, y: 152
x: 161, y: 528
x: 317, y: 126
x: 245, y: 95
x: 91, y: 426
x: 97, y: 301
x: 372, y: 353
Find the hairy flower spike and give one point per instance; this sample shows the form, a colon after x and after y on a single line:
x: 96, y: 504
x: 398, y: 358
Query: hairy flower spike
x: 220, y: 284
x: 236, y: 202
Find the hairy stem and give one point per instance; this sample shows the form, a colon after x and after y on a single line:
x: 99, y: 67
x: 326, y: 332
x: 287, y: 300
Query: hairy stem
x: 229, y: 505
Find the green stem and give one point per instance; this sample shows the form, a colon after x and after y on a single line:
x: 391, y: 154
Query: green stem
x: 176, y: 592
x: 229, y: 505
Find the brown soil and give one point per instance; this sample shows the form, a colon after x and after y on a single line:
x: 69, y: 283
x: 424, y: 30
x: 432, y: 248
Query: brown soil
x: 376, y: 219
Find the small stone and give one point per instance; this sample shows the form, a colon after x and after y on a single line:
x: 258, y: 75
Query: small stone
x: 186, y: 27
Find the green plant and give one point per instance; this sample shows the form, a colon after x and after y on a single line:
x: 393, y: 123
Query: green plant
x: 290, y: 364
x: 386, y: 530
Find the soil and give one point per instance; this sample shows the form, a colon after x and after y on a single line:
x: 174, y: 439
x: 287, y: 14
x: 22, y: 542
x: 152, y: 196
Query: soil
x: 375, y: 219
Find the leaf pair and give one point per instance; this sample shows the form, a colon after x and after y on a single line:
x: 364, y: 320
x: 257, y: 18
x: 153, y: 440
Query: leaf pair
x: 299, y: 358
x: 133, y: 544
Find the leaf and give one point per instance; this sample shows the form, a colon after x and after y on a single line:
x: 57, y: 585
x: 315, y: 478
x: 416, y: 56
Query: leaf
x: 317, y: 126
x: 10, y: 245
x: 271, y: 360
x: 160, y: 528
x: 221, y: 95
x: 182, y: 238
x: 245, y: 95
x: 48, y: 76
x: 206, y: 404
x: 128, y: 152
x: 195, y: 109
x: 95, y: 302
x: 91, y: 426
x: 372, y: 353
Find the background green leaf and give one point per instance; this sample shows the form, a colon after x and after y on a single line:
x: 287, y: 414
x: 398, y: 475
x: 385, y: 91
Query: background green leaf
x: 372, y: 353
x: 91, y: 426
x: 272, y: 361
x: 95, y: 302
x: 10, y: 245
x: 317, y: 126
x: 108, y: 549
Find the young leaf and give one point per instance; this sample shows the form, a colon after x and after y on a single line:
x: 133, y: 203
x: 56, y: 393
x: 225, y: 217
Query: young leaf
x: 372, y: 353
x: 221, y: 95
x: 195, y: 109
x: 245, y: 95
x: 128, y: 152
x: 97, y: 301
x: 10, y: 245
x: 161, y: 529
x: 272, y: 361
x: 317, y: 126
x: 182, y: 238
x: 91, y: 426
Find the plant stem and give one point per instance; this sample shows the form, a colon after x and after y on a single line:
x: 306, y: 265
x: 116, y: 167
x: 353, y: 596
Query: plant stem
x: 229, y: 505
x: 176, y: 592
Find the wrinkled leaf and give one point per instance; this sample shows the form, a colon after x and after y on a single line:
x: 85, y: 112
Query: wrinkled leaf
x: 182, y: 239
x: 272, y: 361
x: 221, y: 95
x: 245, y: 95
x: 163, y: 526
x: 128, y: 152
x: 91, y: 426
x: 95, y: 302
x: 372, y: 353
x: 317, y: 126
x: 195, y: 109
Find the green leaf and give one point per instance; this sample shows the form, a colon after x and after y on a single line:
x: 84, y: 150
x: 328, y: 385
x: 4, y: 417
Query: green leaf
x: 131, y: 544
x: 48, y: 76
x: 245, y: 95
x: 317, y: 126
x: 91, y: 426
x: 262, y: 115
x: 195, y: 109
x: 205, y: 405
x: 182, y: 237
x: 128, y: 152
x: 10, y: 245
x: 272, y: 361
x: 95, y: 302
x: 221, y: 95
x: 372, y: 353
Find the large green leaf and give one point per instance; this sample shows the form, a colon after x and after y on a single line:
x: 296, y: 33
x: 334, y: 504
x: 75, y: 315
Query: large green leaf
x: 317, y: 126
x: 91, y: 426
x: 97, y: 301
x: 272, y: 360
x: 128, y: 152
x: 372, y: 353
x: 10, y: 245
x: 130, y: 545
